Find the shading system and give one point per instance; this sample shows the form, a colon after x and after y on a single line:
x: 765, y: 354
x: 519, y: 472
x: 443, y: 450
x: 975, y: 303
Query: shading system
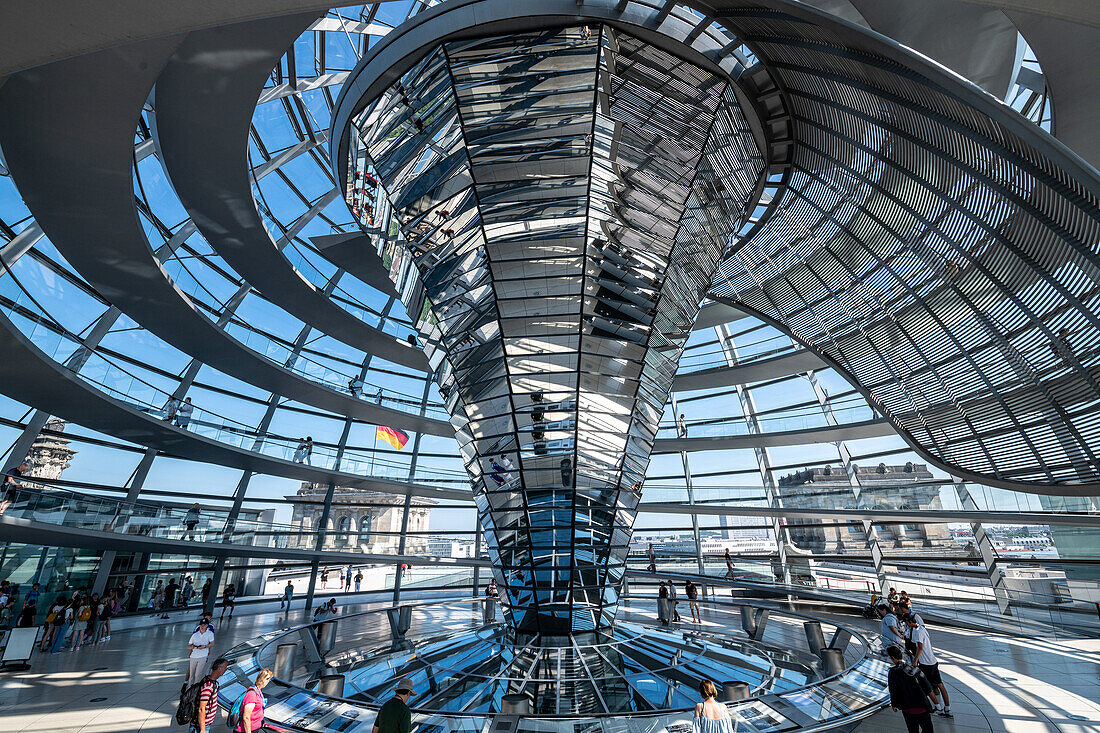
x: 561, y: 198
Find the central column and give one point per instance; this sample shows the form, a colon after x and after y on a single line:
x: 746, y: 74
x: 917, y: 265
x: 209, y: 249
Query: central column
x: 560, y: 200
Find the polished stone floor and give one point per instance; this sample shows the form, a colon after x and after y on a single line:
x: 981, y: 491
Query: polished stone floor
x: 131, y: 683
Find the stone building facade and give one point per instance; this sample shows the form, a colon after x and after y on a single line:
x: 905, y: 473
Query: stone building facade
x: 374, y: 529
x: 49, y: 455
x: 881, y: 487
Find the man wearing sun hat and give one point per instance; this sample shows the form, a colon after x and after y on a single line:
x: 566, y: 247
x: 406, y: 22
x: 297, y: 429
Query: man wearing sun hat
x: 394, y: 715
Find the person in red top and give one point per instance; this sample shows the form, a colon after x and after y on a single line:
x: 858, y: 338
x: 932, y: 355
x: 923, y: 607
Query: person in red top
x: 252, y: 707
x: 208, y: 698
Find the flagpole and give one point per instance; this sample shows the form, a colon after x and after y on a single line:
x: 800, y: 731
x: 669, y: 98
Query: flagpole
x: 374, y: 450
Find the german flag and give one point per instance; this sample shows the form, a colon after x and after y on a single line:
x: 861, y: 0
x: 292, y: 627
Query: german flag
x: 393, y: 436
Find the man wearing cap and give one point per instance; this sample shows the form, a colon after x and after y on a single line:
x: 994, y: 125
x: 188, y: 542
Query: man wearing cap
x: 394, y: 715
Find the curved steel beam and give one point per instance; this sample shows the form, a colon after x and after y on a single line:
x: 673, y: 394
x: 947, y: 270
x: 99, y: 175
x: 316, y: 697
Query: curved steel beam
x: 205, y: 100
x: 33, y: 33
x: 758, y: 370
x: 30, y: 376
x: 353, y: 253
x: 77, y: 181
x: 823, y: 434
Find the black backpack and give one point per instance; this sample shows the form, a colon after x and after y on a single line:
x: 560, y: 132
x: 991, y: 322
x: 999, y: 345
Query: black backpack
x: 187, y: 711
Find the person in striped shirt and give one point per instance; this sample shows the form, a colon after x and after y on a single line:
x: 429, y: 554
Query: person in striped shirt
x: 208, y: 698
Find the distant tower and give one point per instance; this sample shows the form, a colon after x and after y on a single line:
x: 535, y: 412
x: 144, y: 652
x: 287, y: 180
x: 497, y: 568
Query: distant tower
x: 50, y: 454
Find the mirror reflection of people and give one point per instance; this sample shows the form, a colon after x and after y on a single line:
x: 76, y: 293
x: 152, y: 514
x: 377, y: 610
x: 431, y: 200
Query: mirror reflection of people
x: 566, y: 473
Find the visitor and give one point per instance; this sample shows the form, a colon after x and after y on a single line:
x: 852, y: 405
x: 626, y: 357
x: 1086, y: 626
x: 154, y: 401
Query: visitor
x: 228, y: 598
x: 26, y: 616
x: 157, y: 599
x: 80, y: 624
x: 169, y: 409
x: 107, y: 609
x: 358, y: 579
x: 12, y: 486
x: 729, y: 564
x: 324, y: 578
x: 63, y: 622
x: 909, y: 691
x: 652, y: 559
x: 198, y: 648
x: 347, y: 580
x: 253, y: 703
x: 93, y: 621
x: 890, y: 627
x: 926, y: 660
x: 692, y: 592
x: 205, y: 592
x: 187, y: 592
x: 662, y: 604
x: 681, y: 427
x: 33, y: 595
x: 206, y: 616
x: 288, y: 593
x: 207, y: 711
x: 892, y: 598
x: 394, y: 716
x: 304, y: 450
x: 491, y: 590
x: 355, y: 386
x: 672, y: 602
x: 169, y: 596
x: 55, y: 619
x: 904, y: 604
x: 183, y: 416
x: 325, y: 610
x: 711, y: 716
x: 190, y: 521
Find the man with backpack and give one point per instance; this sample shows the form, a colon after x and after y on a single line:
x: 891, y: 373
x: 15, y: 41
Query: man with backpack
x: 909, y: 691
x: 198, y: 705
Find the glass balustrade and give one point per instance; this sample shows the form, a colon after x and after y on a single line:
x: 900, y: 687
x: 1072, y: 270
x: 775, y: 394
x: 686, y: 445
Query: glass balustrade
x: 711, y: 355
x: 738, y: 425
